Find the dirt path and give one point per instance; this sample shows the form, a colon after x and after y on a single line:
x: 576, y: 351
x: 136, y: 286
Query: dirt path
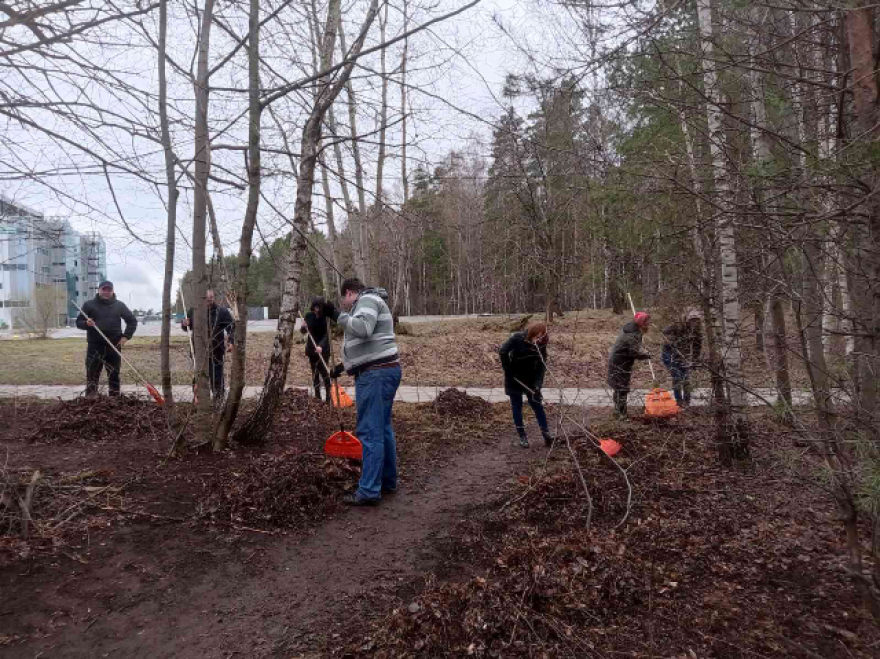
x: 291, y: 595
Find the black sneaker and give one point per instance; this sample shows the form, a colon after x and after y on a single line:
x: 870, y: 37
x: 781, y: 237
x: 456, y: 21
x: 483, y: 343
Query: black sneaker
x: 523, y: 441
x: 389, y: 491
x: 355, y: 500
x: 548, y: 439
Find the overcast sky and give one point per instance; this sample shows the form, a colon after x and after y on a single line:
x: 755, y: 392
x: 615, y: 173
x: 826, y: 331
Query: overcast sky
x: 460, y: 64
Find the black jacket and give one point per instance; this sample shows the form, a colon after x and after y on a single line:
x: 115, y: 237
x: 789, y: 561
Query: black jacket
x: 220, y: 321
x: 523, y: 361
x: 317, y: 327
x: 684, y: 342
x: 108, y: 316
x: 626, y: 350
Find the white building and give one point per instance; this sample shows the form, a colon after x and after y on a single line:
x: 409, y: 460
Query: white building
x: 37, y: 252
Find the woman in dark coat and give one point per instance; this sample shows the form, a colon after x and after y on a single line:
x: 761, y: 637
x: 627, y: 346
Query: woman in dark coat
x: 626, y: 350
x: 316, y: 325
x: 684, y: 343
x: 524, y: 358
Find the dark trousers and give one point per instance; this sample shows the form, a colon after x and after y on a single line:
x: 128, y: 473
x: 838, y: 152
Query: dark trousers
x: 319, y: 373
x: 215, y: 375
x: 681, y: 384
x: 516, y: 406
x: 98, y: 357
x: 620, y: 396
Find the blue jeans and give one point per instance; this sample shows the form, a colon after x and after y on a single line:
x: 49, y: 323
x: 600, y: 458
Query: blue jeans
x: 374, y: 396
x: 516, y: 406
x: 681, y: 385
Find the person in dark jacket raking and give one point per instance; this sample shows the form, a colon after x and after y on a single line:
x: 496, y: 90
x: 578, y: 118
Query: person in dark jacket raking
x: 221, y: 335
x: 684, y: 343
x: 626, y: 350
x: 315, y: 329
x: 105, y: 313
x: 524, y: 361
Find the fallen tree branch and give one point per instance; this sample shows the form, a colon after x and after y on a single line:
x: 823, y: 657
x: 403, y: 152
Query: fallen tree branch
x: 25, y: 504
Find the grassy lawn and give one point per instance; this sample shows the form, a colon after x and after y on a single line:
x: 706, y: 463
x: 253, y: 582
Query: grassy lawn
x: 446, y: 353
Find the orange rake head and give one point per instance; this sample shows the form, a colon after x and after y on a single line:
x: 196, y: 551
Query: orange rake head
x: 155, y: 394
x: 609, y: 446
x: 344, y: 445
x: 339, y: 397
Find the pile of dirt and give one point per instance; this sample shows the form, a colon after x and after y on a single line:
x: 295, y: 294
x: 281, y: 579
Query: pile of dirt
x: 101, y: 419
x: 708, y: 564
x: 285, y: 491
x: 454, y: 402
x: 307, y: 421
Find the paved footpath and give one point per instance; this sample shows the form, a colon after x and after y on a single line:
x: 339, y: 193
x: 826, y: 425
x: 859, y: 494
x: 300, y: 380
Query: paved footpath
x: 409, y: 394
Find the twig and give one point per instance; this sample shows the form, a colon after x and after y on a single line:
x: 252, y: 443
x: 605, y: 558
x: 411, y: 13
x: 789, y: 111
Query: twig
x: 125, y: 511
x: 26, y: 504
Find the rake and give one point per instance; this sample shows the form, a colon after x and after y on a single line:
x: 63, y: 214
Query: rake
x: 341, y: 444
x: 192, y: 349
x: 153, y: 391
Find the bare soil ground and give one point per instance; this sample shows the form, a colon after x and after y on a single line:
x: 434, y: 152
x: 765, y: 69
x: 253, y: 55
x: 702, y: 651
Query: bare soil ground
x: 462, y: 353
x: 483, y: 552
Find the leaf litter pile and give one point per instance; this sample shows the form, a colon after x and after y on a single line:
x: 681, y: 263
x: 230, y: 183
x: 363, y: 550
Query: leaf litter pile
x: 301, y: 486
x: 454, y: 402
x: 102, y: 419
x: 710, y: 563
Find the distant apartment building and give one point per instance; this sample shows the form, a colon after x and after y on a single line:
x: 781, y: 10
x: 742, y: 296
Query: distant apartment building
x: 39, y: 252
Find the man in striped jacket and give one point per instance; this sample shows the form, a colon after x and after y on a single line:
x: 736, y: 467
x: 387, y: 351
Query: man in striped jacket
x: 369, y: 353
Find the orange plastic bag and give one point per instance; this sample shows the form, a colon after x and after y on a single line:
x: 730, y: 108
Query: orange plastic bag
x: 609, y: 446
x: 339, y: 397
x: 660, y: 404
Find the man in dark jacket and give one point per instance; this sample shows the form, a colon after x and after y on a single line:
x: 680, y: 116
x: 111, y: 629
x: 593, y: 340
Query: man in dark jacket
x: 221, y: 333
x: 105, y: 313
x: 317, y: 346
x: 626, y: 350
x: 684, y: 343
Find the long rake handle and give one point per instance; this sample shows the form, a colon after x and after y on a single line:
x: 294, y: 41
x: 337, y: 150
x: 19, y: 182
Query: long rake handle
x: 633, y: 307
x: 115, y: 349
x: 189, y: 334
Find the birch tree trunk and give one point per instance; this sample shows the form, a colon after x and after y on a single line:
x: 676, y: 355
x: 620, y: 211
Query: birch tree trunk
x: 773, y: 266
x: 706, y: 256
x: 725, y: 233
x: 400, y: 299
x: 171, y: 226
x: 261, y: 420
x: 245, y: 246
x: 378, y: 215
x: 331, y: 229
x: 357, y: 223
x: 203, y: 422
x: 812, y: 327
x: 354, y: 226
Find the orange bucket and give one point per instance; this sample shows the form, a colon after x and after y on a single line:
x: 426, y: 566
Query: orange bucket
x: 343, y: 444
x: 660, y: 404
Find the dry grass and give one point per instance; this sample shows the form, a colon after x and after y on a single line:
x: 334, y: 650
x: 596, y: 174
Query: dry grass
x: 459, y: 353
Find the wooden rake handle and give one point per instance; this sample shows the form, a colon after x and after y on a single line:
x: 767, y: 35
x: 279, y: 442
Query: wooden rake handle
x: 650, y: 363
